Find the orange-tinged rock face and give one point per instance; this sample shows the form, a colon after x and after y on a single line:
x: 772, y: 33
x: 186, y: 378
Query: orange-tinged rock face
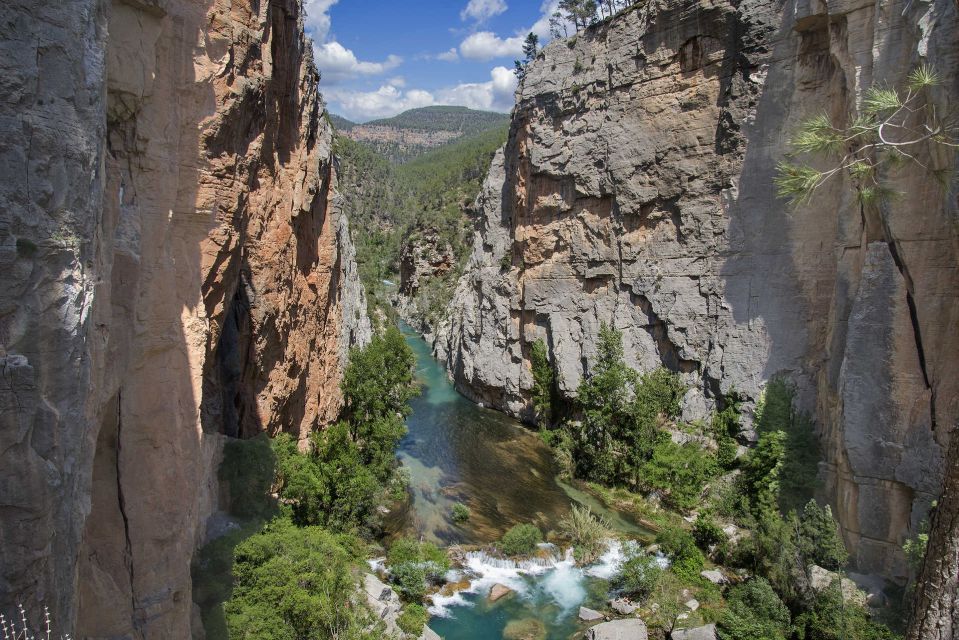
x: 206, y: 281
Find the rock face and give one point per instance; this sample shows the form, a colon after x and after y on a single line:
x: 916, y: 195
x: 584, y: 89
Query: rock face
x: 626, y: 629
x: 636, y: 189
x: 424, y: 256
x: 175, y: 270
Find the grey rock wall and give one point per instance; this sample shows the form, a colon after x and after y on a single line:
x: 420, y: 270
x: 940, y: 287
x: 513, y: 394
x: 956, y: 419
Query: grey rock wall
x: 636, y: 189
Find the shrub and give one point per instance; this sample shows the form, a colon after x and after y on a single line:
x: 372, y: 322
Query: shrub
x: 819, y: 538
x: 460, y: 512
x: 687, y: 560
x: 724, y: 426
x: 706, y: 532
x: 662, y: 391
x: 415, y: 566
x: 679, y: 471
x: 413, y: 619
x: 832, y: 618
x: 520, y: 540
x: 586, y: 531
x: 543, y: 383
x: 295, y: 582
x: 754, y: 612
x: 638, y: 577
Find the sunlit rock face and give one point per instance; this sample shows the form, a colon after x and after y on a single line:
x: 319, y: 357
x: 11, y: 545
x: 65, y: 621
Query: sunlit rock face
x: 636, y: 189
x: 175, y: 271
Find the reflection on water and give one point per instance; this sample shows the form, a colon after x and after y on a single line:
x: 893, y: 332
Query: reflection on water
x: 456, y: 451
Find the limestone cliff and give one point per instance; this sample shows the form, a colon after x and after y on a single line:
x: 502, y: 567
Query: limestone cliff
x: 175, y: 270
x: 636, y: 188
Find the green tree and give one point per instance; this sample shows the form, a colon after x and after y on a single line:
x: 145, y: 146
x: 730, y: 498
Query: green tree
x: 679, y: 472
x: 819, y: 538
x: 520, y: 540
x: 637, y: 577
x: 894, y: 127
x: 292, y: 583
x: 543, y: 383
x: 754, y: 612
x: 832, y: 617
x: 761, y: 469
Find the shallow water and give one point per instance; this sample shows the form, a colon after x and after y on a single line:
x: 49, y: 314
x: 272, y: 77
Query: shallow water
x: 456, y: 451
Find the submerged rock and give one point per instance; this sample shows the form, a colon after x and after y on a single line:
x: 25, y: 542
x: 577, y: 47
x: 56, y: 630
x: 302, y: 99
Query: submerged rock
x: 625, y: 629
x: 499, y: 591
x: 527, y: 629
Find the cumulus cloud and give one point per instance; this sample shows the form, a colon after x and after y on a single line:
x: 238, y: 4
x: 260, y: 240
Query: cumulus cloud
x: 486, y: 45
x: 337, y: 63
x: 390, y: 99
x: 448, y: 56
x: 318, y: 18
x: 482, y: 10
x: 494, y: 95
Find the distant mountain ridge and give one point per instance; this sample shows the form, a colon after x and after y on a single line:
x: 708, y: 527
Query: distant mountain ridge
x: 413, y: 132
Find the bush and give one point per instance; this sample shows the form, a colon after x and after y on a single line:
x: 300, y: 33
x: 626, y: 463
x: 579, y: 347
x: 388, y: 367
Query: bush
x: 707, y: 533
x: 292, y: 582
x: 415, y: 566
x: 586, y: 531
x: 520, y: 540
x: 687, y: 560
x: 661, y: 391
x: 680, y: 472
x: 754, y: 612
x: 413, y: 619
x: 460, y: 512
x: 638, y: 577
x: 832, y: 618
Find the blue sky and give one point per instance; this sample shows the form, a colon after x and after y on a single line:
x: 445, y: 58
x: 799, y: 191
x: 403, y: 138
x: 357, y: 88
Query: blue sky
x: 380, y: 57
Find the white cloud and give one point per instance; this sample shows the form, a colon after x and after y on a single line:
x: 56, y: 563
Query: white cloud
x: 495, y: 95
x: 397, y: 81
x: 448, y: 56
x: 482, y: 10
x: 486, y: 45
x: 389, y: 100
x: 337, y: 63
x: 318, y: 18
x: 384, y: 102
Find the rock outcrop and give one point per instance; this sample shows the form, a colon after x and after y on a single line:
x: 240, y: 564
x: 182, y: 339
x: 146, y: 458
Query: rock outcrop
x: 636, y: 189
x: 175, y: 270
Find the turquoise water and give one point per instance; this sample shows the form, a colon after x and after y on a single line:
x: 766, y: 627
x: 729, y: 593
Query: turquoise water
x: 456, y: 451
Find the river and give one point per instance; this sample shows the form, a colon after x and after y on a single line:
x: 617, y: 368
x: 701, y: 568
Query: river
x: 458, y: 452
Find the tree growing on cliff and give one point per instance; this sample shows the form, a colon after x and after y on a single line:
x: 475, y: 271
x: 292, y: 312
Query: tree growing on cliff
x: 543, y: 383
x: 530, y: 48
x: 895, y: 127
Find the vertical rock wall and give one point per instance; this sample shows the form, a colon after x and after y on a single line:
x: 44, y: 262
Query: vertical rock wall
x: 636, y: 188
x: 175, y: 270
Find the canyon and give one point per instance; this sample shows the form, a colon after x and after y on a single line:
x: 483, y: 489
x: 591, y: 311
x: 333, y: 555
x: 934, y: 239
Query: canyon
x: 176, y: 271
x: 637, y: 189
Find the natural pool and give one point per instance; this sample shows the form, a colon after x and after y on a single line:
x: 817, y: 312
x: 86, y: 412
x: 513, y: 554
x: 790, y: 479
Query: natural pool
x: 456, y: 451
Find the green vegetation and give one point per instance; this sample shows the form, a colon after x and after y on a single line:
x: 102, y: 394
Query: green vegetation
x: 754, y: 612
x: 444, y: 118
x: 460, y: 512
x: 520, y: 540
x: 544, y: 383
x: 896, y: 127
x: 707, y: 532
x: 294, y: 582
x: 415, y: 567
x: 585, y: 531
x: 680, y: 546
x: 391, y: 205
x: 679, y: 472
x: 833, y: 617
x: 296, y: 575
x: 413, y: 619
x: 638, y: 577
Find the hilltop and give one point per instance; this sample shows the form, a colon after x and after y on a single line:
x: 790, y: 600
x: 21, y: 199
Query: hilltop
x: 413, y: 132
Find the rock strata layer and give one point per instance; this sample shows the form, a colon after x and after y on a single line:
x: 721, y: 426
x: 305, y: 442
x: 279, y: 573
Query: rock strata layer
x: 175, y: 271
x: 636, y: 189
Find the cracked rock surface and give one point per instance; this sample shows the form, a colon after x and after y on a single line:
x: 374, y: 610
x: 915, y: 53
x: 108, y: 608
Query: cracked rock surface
x: 636, y: 189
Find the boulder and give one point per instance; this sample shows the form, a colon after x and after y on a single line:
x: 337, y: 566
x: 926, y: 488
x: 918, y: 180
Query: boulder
x: 715, y: 576
x: 429, y: 634
x: 590, y: 615
x: 622, y: 606
x: 692, y: 604
x: 821, y: 579
x: 707, y: 632
x: 625, y: 629
x: 499, y: 591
